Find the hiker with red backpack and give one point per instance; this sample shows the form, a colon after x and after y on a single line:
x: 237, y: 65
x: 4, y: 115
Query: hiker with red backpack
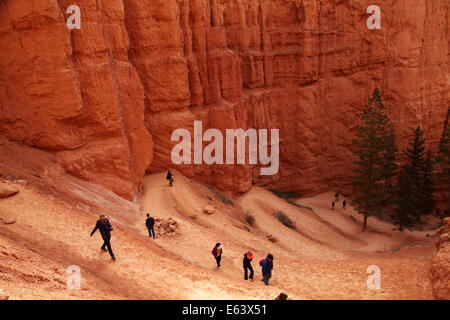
x: 267, y: 266
x: 217, y: 253
x: 248, y: 257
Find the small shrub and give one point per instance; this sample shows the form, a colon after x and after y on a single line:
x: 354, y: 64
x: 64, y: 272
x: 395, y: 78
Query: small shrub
x: 284, y: 219
x: 221, y: 196
x: 289, y: 195
x: 299, y: 205
x: 249, y: 218
x: 400, y: 228
x: 285, y: 194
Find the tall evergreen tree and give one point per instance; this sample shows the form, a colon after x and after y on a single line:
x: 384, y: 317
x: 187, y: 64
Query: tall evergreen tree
x: 443, y: 161
x: 371, y: 142
x: 426, y: 188
x: 410, y: 197
x: 389, y: 167
x: 405, y: 204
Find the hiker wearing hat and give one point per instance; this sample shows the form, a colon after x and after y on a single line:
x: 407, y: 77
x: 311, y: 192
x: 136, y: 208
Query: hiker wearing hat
x: 217, y: 253
x: 248, y: 257
x: 267, y: 266
x: 105, y: 230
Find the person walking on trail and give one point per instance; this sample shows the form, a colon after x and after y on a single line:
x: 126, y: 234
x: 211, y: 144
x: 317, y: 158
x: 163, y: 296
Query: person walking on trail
x: 217, y: 253
x: 337, y: 196
x: 267, y: 266
x: 105, y: 230
x: 332, y: 205
x: 150, y: 223
x: 248, y: 257
x: 344, y: 204
x: 170, y: 178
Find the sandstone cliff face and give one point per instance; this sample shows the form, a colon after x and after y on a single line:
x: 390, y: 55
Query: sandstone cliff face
x: 440, y: 268
x: 106, y: 98
x: 74, y: 93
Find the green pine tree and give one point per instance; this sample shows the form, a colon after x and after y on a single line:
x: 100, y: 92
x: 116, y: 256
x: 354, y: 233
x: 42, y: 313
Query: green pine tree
x: 404, y: 195
x: 443, y: 161
x: 411, y: 181
x: 369, y: 179
x: 389, y: 168
x: 426, y: 188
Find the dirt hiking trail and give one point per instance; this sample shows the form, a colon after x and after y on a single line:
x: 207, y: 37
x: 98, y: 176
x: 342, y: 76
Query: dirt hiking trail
x: 325, y: 257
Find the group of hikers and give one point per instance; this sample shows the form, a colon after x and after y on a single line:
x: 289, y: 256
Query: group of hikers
x: 150, y: 222
x: 266, y: 264
x: 105, y: 228
x: 333, y: 203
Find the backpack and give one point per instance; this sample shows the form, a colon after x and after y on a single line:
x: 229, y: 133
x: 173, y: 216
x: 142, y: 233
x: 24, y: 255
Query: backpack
x: 214, y: 251
x: 150, y: 222
x: 261, y: 262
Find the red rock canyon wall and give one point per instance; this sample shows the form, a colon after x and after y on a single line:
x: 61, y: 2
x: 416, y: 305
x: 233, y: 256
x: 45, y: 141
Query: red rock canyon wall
x: 106, y: 98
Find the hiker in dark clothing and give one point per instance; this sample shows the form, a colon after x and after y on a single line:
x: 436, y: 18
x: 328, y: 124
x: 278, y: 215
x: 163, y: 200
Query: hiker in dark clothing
x: 105, y: 230
x: 248, y: 257
x: 150, y: 223
x: 282, y: 296
x: 344, y: 204
x: 217, y: 253
x: 332, y: 205
x: 170, y: 178
x: 267, y: 266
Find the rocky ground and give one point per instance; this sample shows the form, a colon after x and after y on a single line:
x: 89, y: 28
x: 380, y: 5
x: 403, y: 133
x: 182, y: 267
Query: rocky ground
x: 325, y: 257
x: 440, y: 269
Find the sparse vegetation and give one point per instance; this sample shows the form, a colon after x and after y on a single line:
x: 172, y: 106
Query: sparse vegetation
x: 299, y: 205
x: 284, y: 219
x: 221, y: 196
x: 402, y: 229
x: 285, y: 194
x: 249, y: 218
